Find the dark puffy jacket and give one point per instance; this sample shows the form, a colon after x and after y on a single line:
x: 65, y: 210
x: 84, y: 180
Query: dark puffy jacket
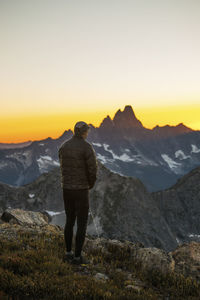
x: 78, y: 164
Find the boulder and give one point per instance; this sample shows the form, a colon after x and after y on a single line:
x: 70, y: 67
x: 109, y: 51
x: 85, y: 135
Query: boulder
x: 187, y: 259
x: 150, y: 258
x: 101, y: 276
x: 24, y: 217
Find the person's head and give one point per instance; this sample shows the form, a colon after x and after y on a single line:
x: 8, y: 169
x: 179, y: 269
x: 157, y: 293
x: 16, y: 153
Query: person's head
x: 81, y: 129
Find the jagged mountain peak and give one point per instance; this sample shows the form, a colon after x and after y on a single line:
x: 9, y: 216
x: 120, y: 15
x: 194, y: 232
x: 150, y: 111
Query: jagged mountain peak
x: 126, y: 118
x: 181, y: 125
x: 66, y: 134
x: 106, y: 123
x: 129, y: 109
x: 92, y: 126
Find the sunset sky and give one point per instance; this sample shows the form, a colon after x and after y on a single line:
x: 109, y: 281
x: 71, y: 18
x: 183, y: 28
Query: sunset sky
x: 66, y: 61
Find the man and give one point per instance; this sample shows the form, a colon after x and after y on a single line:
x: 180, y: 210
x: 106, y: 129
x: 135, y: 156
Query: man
x: 78, y: 165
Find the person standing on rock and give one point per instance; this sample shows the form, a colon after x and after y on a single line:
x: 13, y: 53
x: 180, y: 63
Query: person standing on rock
x: 78, y: 166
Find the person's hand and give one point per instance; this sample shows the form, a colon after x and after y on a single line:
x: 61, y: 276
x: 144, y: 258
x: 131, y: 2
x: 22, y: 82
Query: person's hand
x: 91, y: 186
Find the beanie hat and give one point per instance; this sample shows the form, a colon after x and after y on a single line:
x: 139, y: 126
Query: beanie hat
x: 80, y: 127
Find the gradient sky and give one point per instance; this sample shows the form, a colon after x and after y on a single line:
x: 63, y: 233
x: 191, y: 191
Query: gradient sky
x: 64, y: 61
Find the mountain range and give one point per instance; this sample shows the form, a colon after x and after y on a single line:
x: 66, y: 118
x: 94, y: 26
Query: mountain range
x: 158, y: 156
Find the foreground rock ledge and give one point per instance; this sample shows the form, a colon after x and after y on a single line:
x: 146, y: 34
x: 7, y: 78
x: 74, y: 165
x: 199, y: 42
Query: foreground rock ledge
x: 185, y: 259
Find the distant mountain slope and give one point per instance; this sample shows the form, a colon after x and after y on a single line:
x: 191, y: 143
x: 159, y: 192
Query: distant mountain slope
x: 157, y: 156
x: 121, y: 207
x: 14, y: 145
x: 180, y: 206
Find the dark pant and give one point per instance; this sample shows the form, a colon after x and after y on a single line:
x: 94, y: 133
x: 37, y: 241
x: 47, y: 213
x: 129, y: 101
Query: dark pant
x: 76, y: 204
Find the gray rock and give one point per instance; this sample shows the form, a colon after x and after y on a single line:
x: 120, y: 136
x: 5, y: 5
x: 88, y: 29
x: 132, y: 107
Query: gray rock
x: 149, y: 258
x: 187, y: 259
x: 100, y: 276
x: 133, y: 287
x: 154, y: 259
x: 22, y: 217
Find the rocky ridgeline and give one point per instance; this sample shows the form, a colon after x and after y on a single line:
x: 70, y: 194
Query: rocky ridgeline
x: 121, y: 207
x: 185, y: 259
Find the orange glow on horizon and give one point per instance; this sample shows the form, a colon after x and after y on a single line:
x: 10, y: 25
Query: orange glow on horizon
x: 19, y: 129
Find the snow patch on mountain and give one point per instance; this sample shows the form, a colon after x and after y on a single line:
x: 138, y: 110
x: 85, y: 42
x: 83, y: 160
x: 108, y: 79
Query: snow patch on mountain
x: 54, y: 213
x: 104, y: 159
x: 194, y: 149
x: 119, y: 173
x: 46, y: 157
x: 138, y: 158
x: 31, y: 195
x: 123, y: 157
x: 171, y: 163
x: 181, y: 155
x: 194, y: 235
x: 97, y: 144
x: 44, y: 161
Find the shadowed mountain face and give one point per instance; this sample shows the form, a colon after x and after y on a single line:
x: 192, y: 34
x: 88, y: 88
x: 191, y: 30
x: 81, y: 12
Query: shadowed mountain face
x: 121, y: 207
x: 166, y: 131
x: 158, y: 156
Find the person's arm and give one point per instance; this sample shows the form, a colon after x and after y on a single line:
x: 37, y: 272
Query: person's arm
x: 59, y: 155
x: 91, y: 165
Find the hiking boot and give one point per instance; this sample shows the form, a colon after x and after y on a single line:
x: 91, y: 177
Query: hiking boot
x: 81, y: 260
x: 68, y: 257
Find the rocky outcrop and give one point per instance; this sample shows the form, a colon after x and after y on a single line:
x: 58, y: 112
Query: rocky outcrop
x: 43, y: 193
x: 149, y: 258
x: 24, y: 217
x: 123, y: 209
x: 187, y: 259
x: 10, y: 230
